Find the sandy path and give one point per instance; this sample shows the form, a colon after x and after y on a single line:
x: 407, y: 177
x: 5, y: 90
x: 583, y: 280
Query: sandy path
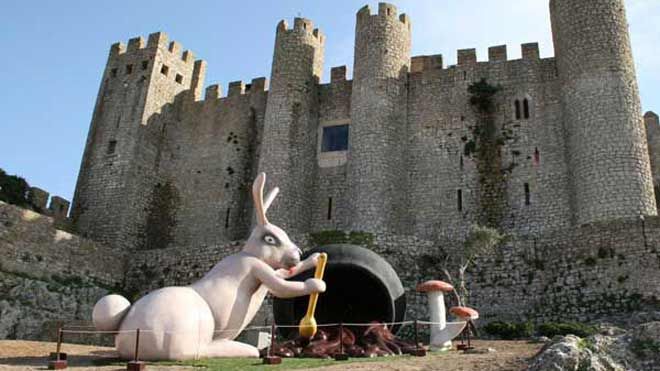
x: 509, y: 356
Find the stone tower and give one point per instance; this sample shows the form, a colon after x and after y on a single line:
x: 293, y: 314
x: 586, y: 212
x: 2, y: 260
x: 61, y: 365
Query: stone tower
x: 119, y: 166
x: 606, y: 140
x: 382, y: 61
x: 288, y: 148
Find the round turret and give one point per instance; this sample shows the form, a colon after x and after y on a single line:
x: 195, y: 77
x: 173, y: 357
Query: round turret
x: 288, y: 149
x: 606, y: 141
x: 382, y: 61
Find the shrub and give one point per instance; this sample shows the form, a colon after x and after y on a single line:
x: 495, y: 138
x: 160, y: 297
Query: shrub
x: 509, y: 330
x: 13, y: 189
x: 552, y: 329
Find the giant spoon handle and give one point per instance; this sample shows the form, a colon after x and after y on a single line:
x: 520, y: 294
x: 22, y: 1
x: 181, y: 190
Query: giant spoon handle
x: 307, y: 327
x: 318, y: 274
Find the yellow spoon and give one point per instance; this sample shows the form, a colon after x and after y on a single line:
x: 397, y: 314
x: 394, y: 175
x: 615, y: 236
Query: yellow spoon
x: 307, y: 327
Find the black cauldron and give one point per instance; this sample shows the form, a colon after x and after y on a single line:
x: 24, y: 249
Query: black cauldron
x: 362, y: 287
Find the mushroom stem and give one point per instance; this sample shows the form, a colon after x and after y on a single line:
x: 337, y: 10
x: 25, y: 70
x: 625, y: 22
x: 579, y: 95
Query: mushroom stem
x: 438, y: 318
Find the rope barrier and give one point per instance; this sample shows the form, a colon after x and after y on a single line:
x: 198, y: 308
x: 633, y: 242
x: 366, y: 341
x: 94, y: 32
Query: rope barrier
x: 73, y: 329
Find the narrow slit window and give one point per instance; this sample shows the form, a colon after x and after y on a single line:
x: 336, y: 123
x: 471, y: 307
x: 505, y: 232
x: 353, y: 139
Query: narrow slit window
x: 527, y: 195
x: 518, y: 114
x: 145, y: 65
x: 179, y: 78
x: 657, y: 196
x: 129, y: 69
x: 537, y: 156
x: 459, y: 200
x: 113, y: 72
x: 464, y: 75
x: 526, y: 108
x: 112, y: 146
x: 165, y: 70
x: 227, y: 215
x: 329, y: 208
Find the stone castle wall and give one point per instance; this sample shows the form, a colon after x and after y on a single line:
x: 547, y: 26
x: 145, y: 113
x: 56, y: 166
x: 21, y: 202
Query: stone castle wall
x: 49, y: 276
x: 578, y: 274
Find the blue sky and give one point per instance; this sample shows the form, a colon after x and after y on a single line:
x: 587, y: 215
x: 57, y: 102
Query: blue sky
x: 54, y: 53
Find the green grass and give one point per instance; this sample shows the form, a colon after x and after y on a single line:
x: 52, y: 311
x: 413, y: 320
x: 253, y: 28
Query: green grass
x: 235, y: 364
x: 231, y: 364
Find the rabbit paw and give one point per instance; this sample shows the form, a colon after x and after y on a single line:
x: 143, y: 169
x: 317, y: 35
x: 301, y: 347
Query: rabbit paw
x: 314, y: 285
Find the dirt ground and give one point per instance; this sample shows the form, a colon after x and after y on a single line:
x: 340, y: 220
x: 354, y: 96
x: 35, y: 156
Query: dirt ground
x: 508, y: 355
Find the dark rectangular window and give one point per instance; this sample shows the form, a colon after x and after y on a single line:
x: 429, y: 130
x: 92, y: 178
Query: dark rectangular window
x: 329, y: 208
x: 335, y: 138
x: 164, y: 70
x: 459, y: 200
x: 112, y: 146
x: 113, y: 72
x: 129, y: 69
x: 518, y: 114
x: 526, y: 108
x: 178, y: 78
x: 145, y: 65
x: 227, y: 217
x: 527, y: 195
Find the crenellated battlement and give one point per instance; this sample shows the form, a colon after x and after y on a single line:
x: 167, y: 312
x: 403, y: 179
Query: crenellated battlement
x: 236, y: 88
x: 338, y: 74
x: 384, y: 10
x: 467, y: 57
x: 156, y: 40
x: 301, y: 26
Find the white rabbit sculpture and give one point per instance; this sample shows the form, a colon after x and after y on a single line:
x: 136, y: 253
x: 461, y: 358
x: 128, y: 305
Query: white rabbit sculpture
x: 201, y: 320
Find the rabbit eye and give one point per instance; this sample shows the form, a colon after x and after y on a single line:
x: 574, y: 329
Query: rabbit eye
x: 271, y: 240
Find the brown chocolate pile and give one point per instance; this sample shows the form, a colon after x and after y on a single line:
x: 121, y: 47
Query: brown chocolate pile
x: 373, y: 341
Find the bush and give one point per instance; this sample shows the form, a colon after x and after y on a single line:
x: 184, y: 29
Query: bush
x: 13, y: 189
x: 552, y: 329
x: 509, y: 330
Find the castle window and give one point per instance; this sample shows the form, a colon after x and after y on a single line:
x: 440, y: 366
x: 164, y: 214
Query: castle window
x: 335, y: 138
x: 526, y: 108
x: 227, y: 217
x: 129, y: 69
x: 459, y: 200
x: 145, y: 65
x: 527, y: 195
x: 112, y: 146
x: 518, y: 111
x: 164, y: 70
x: 329, y: 208
x: 113, y: 72
x: 179, y: 78
x: 657, y: 196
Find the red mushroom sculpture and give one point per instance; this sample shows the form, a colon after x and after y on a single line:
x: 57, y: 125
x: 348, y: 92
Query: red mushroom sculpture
x: 435, y: 291
x: 468, y: 315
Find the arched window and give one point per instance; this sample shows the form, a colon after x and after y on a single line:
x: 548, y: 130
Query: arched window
x: 517, y: 104
x: 526, y: 108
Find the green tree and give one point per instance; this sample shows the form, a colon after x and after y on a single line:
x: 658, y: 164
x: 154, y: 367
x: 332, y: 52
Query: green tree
x: 13, y: 189
x: 481, y: 240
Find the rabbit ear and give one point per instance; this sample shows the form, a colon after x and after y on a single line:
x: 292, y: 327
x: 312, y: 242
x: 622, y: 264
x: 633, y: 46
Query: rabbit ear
x: 270, y: 197
x: 258, y: 198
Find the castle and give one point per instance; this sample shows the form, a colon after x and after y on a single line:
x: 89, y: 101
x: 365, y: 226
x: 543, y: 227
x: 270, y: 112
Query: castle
x: 398, y: 153
x: 383, y: 153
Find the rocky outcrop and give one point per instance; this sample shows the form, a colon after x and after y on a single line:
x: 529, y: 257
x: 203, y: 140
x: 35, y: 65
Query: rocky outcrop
x: 613, y: 349
x: 32, y: 309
